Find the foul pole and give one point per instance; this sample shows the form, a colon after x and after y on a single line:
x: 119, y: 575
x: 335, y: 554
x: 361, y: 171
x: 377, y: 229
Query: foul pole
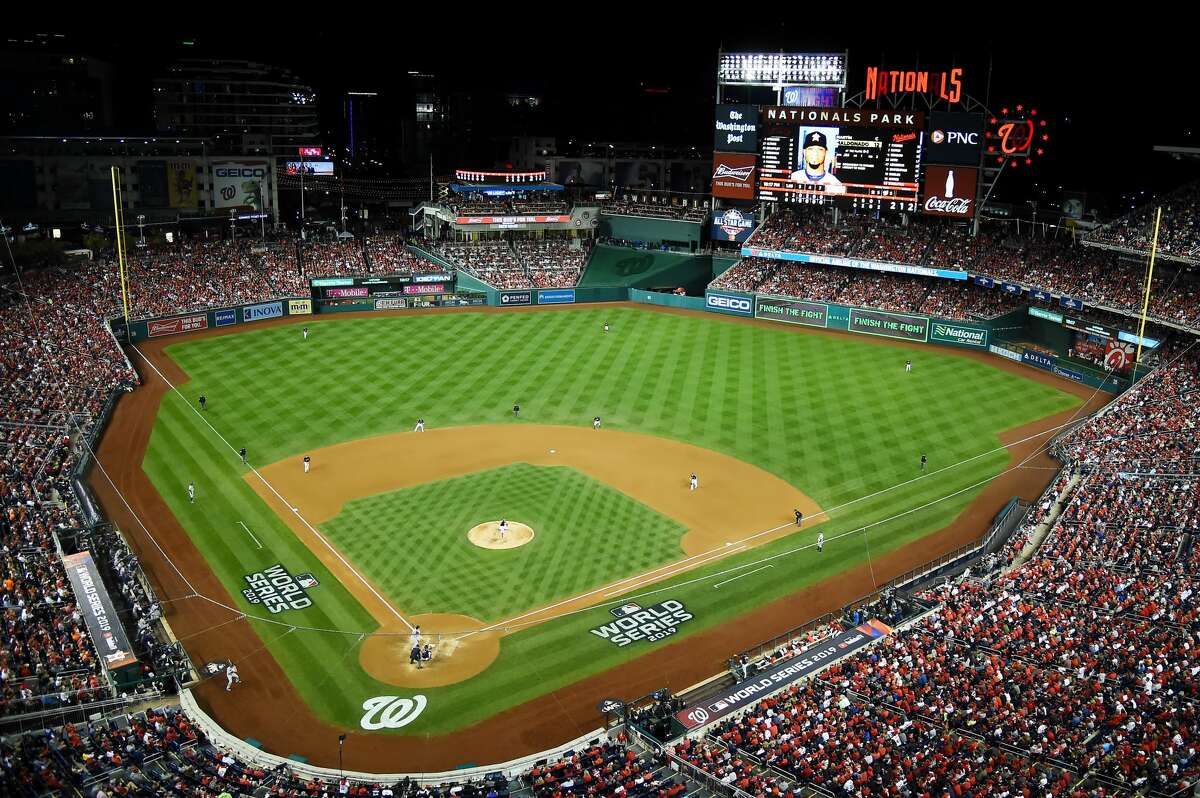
x: 1137, y: 360
x: 119, y: 221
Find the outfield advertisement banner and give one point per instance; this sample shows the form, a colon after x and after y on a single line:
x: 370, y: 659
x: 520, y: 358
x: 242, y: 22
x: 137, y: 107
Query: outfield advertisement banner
x: 329, y: 282
x: 1036, y: 358
x: 556, y: 296
x: 299, y: 307
x: 425, y: 288
x: 516, y: 298
x: 889, y: 325
x: 98, y: 613
x: 1070, y: 374
x: 946, y: 333
x: 432, y: 278
x: 1068, y: 302
x: 852, y: 263
x: 267, y: 310
x: 223, y: 318
x: 179, y: 324
x: 391, y: 304
x: 759, y: 686
x: 736, y: 304
x: 792, y: 311
x: 1008, y: 353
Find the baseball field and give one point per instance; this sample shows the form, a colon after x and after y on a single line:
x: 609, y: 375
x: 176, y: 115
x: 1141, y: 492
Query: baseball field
x: 333, y: 567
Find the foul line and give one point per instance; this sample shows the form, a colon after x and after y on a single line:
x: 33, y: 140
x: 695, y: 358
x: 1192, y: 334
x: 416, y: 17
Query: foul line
x: 279, y: 496
x: 251, y: 534
x: 739, y: 576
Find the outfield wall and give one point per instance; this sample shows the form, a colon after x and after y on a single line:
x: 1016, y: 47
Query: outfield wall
x: 654, y: 232
x: 210, y: 319
x: 641, y: 268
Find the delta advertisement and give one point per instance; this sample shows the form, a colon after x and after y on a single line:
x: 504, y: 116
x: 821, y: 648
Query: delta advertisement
x: 733, y: 175
x: 98, y: 613
x: 735, y: 304
x: 179, y: 324
x: 267, y: 310
x: 556, y: 296
x: 852, y: 263
x: 756, y: 687
x: 733, y: 226
x: 1036, y: 358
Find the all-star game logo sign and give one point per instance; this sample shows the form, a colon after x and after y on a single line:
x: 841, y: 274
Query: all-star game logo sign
x: 278, y: 590
x: 634, y: 622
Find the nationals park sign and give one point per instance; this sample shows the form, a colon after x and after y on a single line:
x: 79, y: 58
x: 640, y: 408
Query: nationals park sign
x: 807, y: 662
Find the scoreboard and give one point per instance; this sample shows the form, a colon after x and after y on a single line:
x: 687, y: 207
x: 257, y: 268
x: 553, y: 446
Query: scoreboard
x: 850, y: 157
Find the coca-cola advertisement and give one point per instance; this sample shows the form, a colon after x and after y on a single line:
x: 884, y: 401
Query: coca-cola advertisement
x: 950, y: 191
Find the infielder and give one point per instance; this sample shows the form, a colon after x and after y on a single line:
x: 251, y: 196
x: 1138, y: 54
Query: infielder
x: 203, y: 402
x: 242, y: 454
x: 596, y: 422
x: 695, y: 483
x: 820, y: 541
x: 307, y: 463
x: 908, y: 367
x: 231, y: 677
x: 924, y: 460
x: 420, y: 425
x: 516, y: 411
x: 799, y: 517
x: 191, y: 493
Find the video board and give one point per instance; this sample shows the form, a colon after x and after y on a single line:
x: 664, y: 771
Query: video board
x: 850, y: 157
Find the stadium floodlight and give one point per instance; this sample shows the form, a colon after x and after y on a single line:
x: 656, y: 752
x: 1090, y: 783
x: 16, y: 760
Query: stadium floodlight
x: 775, y: 69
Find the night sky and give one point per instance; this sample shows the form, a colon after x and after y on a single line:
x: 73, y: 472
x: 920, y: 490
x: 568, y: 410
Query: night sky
x: 1110, y: 97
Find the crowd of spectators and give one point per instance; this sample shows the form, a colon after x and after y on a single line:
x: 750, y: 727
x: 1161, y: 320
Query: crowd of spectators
x: 656, y: 206
x: 161, y: 752
x: 525, y: 202
x: 1179, y: 231
x: 1061, y: 265
x: 389, y: 255
x: 493, y: 262
x: 552, y: 262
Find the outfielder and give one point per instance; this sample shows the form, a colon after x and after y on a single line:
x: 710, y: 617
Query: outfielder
x: 924, y: 460
x: 596, y: 422
x: 191, y: 493
x: 820, y: 541
x: 908, y: 367
x: 242, y: 454
x: 305, y: 333
x: 307, y: 463
x: 606, y: 326
x: 420, y: 425
x: 516, y: 411
x: 695, y: 483
x: 203, y: 402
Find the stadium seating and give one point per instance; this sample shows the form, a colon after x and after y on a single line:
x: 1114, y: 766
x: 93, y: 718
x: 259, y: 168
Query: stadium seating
x: 1179, y: 231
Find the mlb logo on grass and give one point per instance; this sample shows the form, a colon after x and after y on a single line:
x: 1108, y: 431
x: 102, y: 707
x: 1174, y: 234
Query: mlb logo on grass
x: 625, y: 609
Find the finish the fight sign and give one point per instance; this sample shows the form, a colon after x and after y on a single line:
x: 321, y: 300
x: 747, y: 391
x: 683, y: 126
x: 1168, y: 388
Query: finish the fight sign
x: 278, y: 590
x: 634, y: 622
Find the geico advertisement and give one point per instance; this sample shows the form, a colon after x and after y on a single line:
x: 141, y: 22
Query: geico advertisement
x: 239, y: 184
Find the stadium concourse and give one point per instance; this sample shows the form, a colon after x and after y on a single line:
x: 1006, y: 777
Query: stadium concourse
x: 1075, y: 673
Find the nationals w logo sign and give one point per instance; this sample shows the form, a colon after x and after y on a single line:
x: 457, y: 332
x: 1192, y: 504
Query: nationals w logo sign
x: 391, y: 712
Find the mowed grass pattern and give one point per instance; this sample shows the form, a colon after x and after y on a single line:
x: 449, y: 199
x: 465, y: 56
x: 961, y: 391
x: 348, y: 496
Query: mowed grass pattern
x: 835, y: 415
x: 413, y: 542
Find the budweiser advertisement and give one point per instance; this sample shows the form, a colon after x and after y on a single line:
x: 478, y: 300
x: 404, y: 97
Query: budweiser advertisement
x: 734, y: 175
x: 950, y: 191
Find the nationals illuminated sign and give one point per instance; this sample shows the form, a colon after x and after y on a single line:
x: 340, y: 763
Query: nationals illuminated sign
x: 944, y: 85
x: 733, y: 175
x: 950, y: 191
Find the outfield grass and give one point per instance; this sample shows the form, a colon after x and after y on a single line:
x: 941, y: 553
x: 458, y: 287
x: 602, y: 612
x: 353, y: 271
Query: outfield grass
x: 413, y: 542
x: 836, y: 416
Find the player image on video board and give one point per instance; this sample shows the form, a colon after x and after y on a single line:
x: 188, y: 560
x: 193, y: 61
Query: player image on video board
x: 817, y: 158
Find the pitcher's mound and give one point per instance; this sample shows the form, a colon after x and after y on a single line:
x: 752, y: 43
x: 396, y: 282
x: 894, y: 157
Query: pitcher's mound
x: 487, y: 535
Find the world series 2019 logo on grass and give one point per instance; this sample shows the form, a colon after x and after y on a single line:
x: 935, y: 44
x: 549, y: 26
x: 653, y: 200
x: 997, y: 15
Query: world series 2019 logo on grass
x: 278, y: 590
x: 635, y: 622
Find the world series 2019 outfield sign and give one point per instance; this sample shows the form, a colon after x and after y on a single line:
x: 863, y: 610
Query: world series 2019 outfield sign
x: 808, y: 661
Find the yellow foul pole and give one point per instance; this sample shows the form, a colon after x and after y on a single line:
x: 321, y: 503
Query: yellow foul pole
x: 1146, y: 295
x: 119, y: 221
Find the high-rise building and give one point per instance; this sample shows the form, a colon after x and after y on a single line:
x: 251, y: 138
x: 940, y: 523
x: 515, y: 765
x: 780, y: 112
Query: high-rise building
x: 242, y: 105
x: 45, y: 90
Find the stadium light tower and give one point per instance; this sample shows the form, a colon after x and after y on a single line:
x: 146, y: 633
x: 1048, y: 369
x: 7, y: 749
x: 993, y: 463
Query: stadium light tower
x: 233, y: 224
